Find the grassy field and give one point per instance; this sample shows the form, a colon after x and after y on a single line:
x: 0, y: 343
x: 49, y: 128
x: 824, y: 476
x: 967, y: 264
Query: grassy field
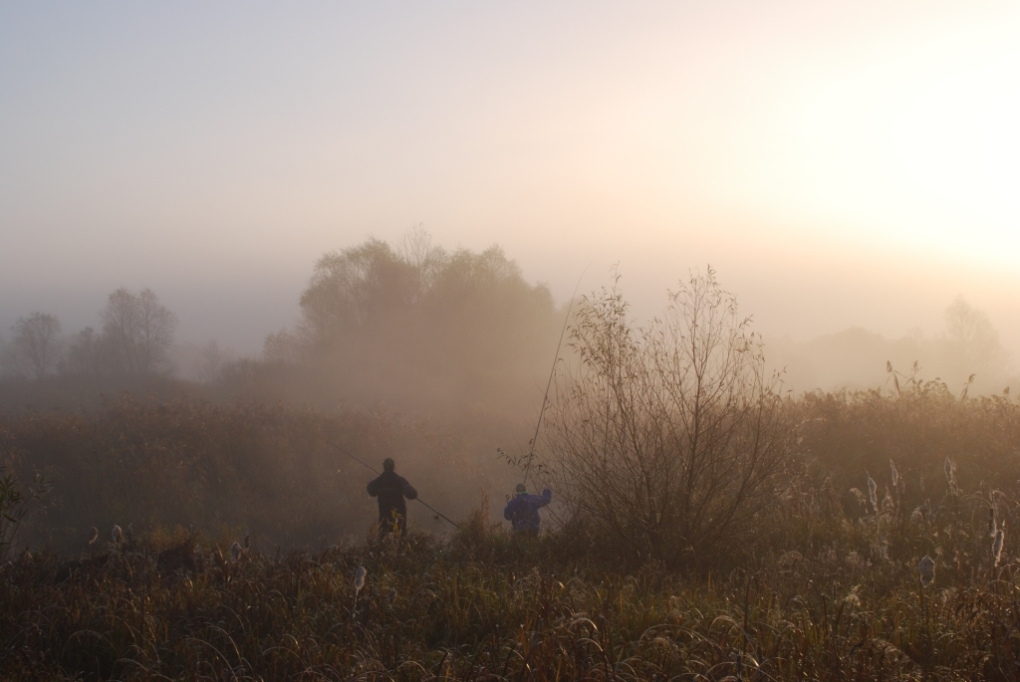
x: 821, y: 597
x: 823, y: 585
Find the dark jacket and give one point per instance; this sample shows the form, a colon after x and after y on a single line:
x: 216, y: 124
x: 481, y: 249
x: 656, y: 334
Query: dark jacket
x: 391, y: 490
x: 522, y: 511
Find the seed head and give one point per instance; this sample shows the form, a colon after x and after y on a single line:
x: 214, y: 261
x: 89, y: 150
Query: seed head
x: 926, y: 569
x: 992, y: 527
x: 117, y: 535
x: 93, y: 535
x: 888, y: 504
x: 997, y: 543
x: 359, y: 579
x: 873, y: 493
x: 894, y: 473
x: 950, y: 469
x: 235, y: 552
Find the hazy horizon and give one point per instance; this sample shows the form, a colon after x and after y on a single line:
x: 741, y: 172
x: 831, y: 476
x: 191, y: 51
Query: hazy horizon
x: 839, y: 166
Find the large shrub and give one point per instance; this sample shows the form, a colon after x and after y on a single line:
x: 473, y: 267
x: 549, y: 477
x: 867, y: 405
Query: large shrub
x: 669, y: 440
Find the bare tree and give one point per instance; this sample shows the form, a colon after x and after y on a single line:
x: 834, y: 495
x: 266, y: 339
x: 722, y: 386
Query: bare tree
x: 971, y: 343
x: 36, y: 346
x: 139, y: 330
x: 120, y: 329
x: 670, y: 439
x: 88, y: 353
x: 156, y: 336
x: 426, y: 259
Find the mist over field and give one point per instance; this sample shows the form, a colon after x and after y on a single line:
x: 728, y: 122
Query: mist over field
x: 692, y: 328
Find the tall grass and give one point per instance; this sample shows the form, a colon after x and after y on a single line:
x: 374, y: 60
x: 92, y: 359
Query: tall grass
x: 214, y: 468
x: 833, y: 602
x: 826, y: 585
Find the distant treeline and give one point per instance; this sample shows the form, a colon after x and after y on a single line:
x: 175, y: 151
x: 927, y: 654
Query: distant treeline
x: 135, y: 340
x: 417, y: 328
x: 967, y: 354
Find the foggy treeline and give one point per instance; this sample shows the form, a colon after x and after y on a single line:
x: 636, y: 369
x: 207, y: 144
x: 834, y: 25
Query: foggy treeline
x: 135, y: 339
x: 966, y: 353
x: 418, y: 328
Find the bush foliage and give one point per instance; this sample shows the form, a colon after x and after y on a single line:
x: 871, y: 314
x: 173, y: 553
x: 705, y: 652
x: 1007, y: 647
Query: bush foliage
x: 669, y: 441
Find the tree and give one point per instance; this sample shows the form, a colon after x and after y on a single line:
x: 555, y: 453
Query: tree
x: 88, y: 354
x: 139, y: 331
x: 668, y: 440
x: 427, y: 260
x: 354, y: 288
x: 36, y: 346
x: 971, y: 343
x: 423, y: 298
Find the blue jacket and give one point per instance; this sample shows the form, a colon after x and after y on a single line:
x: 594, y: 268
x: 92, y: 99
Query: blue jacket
x: 522, y: 511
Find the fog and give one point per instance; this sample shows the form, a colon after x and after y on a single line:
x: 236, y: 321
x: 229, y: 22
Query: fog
x: 840, y: 167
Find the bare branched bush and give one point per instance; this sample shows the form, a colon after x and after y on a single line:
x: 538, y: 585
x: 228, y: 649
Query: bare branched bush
x: 135, y: 341
x: 35, y: 347
x: 670, y: 439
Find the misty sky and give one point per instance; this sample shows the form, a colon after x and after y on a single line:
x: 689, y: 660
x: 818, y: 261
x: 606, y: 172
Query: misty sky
x: 839, y: 164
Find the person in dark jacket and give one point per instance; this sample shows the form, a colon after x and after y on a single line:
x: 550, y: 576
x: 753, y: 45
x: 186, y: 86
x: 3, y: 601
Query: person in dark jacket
x: 391, y: 490
x: 522, y: 510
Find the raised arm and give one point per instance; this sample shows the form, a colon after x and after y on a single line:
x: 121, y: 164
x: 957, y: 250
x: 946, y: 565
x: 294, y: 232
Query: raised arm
x: 546, y: 497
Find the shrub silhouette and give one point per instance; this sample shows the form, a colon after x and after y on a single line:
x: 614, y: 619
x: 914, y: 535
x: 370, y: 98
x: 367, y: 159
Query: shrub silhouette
x: 670, y: 439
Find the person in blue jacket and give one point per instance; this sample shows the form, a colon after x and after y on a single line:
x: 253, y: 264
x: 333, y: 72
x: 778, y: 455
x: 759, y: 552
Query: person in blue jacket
x: 522, y: 510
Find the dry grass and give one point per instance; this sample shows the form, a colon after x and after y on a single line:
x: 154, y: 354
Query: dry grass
x: 218, y: 468
x: 822, y: 587
x: 842, y: 600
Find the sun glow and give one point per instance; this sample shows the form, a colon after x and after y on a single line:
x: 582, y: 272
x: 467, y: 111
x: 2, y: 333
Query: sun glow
x: 924, y: 146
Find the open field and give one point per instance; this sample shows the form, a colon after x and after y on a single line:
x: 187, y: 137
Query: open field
x: 824, y: 584
x: 507, y: 342
x: 484, y: 606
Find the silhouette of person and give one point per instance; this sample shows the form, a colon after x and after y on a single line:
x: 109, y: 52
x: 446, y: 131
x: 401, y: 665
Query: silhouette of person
x: 391, y: 491
x: 522, y: 510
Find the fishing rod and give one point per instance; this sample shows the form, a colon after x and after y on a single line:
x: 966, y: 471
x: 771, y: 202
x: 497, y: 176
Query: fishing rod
x: 428, y: 506
x: 552, y: 373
